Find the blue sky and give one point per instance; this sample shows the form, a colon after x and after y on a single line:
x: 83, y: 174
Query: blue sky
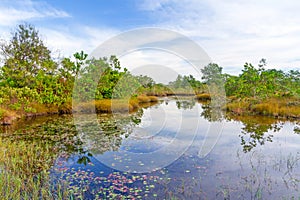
x: 232, y: 32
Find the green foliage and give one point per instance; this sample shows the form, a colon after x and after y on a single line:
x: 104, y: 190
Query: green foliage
x: 263, y: 83
x: 186, y: 83
x: 24, y: 56
x: 30, y: 76
x: 212, y: 74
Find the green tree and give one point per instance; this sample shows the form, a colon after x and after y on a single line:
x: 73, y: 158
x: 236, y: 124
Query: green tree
x: 24, y: 56
x: 212, y: 74
x: 249, y: 81
x: 231, y: 84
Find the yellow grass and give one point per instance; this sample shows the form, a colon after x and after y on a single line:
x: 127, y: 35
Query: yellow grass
x: 106, y: 106
x: 146, y: 99
x: 153, y: 98
x: 113, y: 105
x: 276, y: 107
x: 158, y: 93
x: 7, y: 116
x: 143, y: 99
x: 203, y: 96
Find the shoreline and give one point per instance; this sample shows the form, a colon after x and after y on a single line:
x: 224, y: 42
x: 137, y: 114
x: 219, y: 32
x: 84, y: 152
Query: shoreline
x: 8, y: 117
x: 277, y: 108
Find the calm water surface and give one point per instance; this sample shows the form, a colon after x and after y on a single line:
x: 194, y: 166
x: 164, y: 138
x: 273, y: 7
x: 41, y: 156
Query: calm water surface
x: 181, y: 149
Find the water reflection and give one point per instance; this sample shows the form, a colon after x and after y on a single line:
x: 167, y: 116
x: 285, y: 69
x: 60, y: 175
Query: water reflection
x: 185, y: 104
x: 297, y: 129
x: 210, y: 113
x: 255, y: 157
x: 107, y: 133
x: 256, y: 130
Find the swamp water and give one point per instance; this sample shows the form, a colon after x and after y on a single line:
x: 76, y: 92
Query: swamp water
x: 176, y: 149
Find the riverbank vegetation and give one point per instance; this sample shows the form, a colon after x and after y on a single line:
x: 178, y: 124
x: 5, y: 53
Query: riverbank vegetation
x: 32, y: 82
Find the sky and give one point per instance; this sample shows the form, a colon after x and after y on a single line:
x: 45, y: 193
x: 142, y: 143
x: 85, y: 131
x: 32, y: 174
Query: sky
x: 231, y: 32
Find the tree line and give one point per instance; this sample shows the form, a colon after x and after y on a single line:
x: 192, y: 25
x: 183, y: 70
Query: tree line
x: 30, y: 76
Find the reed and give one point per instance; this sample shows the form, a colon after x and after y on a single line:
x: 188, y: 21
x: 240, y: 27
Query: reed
x: 24, y: 169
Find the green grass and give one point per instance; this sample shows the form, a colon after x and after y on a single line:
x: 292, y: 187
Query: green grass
x: 24, y: 169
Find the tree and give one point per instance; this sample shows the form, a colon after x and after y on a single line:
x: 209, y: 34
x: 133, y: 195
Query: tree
x: 231, y: 84
x: 249, y: 81
x: 24, y: 56
x: 212, y: 74
x: 145, y: 81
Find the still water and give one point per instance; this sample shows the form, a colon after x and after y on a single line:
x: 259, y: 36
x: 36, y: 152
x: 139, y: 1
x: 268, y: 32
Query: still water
x: 175, y: 149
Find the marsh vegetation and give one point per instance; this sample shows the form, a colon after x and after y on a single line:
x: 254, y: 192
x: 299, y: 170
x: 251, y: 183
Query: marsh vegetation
x: 59, y: 155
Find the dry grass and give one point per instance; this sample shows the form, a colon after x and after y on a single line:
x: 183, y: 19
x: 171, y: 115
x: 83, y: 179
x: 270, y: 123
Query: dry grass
x: 286, y: 107
x: 43, y: 109
x: 99, y: 106
x: 153, y: 98
x: 203, y: 97
x: 238, y: 107
x: 276, y: 107
x: 146, y: 99
x: 113, y: 105
x: 7, y: 116
x: 106, y: 106
x: 143, y: 99
x: 134, y: 103
x: 158, y: 93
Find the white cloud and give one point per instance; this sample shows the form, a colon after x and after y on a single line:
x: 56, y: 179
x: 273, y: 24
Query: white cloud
x: 12, y: 12
x: 161, y: 65
x: 62, y: 40
x: 235, y: 32
x: 231, y: 32
x: 66, y: 42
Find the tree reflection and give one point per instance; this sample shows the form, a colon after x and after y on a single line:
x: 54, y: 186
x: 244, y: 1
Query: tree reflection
x: 64, y: 138
x: 297, y: 128
x: 185, y: 104
x: 45, y: 141
x: 257, y: 130
x: 211, y: 113
x: 107, y: 133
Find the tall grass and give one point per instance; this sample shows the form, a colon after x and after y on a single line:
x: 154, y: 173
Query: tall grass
x: 146, y: 99
x: 24, y: 167
x: 114, y: 105
x: 276, y: 107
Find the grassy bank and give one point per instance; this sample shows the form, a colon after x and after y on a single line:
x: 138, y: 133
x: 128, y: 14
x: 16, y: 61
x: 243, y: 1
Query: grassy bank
x: 114, y: 105
x: 8, y: 113
x: 287, y: 107
x: 7, y: 116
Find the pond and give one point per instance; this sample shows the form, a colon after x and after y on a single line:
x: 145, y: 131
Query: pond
x: 175, y: 149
